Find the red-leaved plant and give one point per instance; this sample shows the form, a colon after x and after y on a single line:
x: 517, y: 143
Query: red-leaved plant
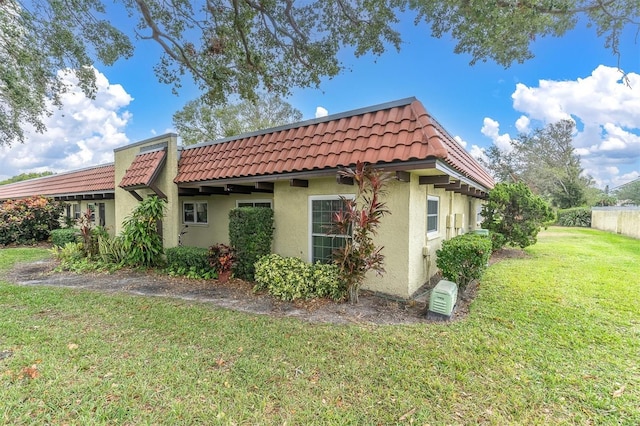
x: 360, y: 218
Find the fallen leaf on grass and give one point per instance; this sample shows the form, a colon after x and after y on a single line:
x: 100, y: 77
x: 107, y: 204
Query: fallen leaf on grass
x: 619, y: 392
x: 30, y: 372
x: 72, y: 346
x: 407, y: 414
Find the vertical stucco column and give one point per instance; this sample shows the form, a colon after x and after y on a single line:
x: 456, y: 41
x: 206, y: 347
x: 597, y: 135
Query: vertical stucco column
x: 125, y: 202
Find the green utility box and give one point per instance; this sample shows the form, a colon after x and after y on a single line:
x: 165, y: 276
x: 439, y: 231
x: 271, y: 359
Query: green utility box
x: 443, y: 300
x: 484, y: 232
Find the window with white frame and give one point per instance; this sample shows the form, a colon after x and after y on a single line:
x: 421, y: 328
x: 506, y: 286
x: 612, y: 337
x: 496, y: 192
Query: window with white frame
x: 321, y: 213
x: 92, y: 208
x: 194, y: 212
x: 255, y: 203
x: 433, y: 210
x: 73, y: 211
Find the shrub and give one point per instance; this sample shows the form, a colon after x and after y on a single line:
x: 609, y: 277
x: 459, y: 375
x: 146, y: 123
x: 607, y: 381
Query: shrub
x: 498, y: 241
x: 464, y: 258
x: 140, y: 233
x: 192, y: 262
x: 69, y: 252
x: 221, y: 258
x: 60, y: 237
x: 28, y: 220
x: 290, y: 278
x: 361, y: 218
x: 111, y: 250
x: 326, y: 281
x: 250, y: 235
x: 515, y: 212
x: 577, y: 216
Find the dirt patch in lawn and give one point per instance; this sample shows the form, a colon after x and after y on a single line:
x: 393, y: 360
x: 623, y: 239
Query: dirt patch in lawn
x: 238, y: 295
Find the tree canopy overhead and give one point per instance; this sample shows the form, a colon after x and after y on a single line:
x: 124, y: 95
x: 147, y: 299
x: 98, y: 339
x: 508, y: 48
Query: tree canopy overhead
x: 199, y: 122
x: 242, y: 46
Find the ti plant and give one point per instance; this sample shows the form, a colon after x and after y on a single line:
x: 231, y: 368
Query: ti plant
x: 360, y: 218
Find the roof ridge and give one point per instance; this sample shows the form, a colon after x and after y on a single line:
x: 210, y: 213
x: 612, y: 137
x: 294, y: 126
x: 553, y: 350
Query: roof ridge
x: 61, y: 174
x: 309, y: 122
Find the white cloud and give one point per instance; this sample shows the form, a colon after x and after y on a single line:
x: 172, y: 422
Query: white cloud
x: 605, y: 108
x: 491, y: 129
x: 522, y: 124
x: 81, y: 134
x: 321, y: 112
x: 478, y: 153
x: 460, y: 141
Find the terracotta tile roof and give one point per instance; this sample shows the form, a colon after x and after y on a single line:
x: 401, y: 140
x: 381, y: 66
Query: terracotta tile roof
x: 394, y: 132
x: 94, y: 179
x: 143, y: 169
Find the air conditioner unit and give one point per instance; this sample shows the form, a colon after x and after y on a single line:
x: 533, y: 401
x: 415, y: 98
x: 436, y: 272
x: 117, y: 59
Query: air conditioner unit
x: 443, y: 300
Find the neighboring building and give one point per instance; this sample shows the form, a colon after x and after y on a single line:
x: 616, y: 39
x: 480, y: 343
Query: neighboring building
x: 437, y: 190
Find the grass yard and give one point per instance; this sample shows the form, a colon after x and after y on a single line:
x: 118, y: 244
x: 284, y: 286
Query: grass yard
x: 553, y: 338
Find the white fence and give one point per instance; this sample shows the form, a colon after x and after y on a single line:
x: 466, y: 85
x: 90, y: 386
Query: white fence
x: 621, y: 220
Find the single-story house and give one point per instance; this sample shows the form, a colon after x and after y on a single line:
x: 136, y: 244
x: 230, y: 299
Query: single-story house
x: 293, y: 169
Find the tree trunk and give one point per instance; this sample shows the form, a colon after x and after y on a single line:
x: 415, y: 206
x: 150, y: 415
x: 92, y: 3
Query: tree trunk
x: 353, y: 294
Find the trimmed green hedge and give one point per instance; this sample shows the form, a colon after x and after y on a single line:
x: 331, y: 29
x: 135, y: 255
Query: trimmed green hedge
x: 60, y: 237
x: 464, y: 258
x: 577, y: 216
x: 192, y: 262
x: 250, y: 235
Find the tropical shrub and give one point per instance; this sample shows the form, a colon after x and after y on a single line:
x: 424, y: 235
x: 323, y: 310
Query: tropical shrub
x: 28, y: 220
x: 141, y: 233
x: 192, y: 262
x: 112, y: 250
x: 221, y: 258
x: 515, y: 212
x: 360, y: 218
x: 464, y: 258
x: 250, y: 235
x: 578, y: 216
x: 498, y: 241
x: 60, y: 237
x: 68, y: 253
x: 290, y: 278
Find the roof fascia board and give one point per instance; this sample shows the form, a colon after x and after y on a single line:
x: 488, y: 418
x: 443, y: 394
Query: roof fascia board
x: 445, y: 168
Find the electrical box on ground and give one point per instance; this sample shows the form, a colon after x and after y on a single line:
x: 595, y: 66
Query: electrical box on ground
x: 484, y: 232
x: 443, y: 300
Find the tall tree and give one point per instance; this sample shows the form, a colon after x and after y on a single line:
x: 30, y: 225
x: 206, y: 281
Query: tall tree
x: 24, y: 176
x: 200, y: 122
x: 629, y: 192
x: 241, y: 46
x: 546, y: 161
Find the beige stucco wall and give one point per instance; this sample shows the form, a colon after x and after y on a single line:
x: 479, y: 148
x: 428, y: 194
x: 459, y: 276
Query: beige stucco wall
x: 410, y: 257
x: 291, y: 214
x: 125, y: 202
x: 216, y: 230
x: 109, y: 212
x: 621, y: 220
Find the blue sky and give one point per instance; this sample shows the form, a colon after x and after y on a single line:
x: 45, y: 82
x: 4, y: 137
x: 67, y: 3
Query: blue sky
x: 573, y: 76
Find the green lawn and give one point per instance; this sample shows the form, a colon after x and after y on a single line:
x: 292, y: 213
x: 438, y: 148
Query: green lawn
x: 552, y: 338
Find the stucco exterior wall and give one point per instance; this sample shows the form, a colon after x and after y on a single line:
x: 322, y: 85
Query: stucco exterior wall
x: 216, y: 230
x: 125, y: 202
x: 410, y: 253
x: 621, y: 220
x: 291, y: 214
x: 109, y: 212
